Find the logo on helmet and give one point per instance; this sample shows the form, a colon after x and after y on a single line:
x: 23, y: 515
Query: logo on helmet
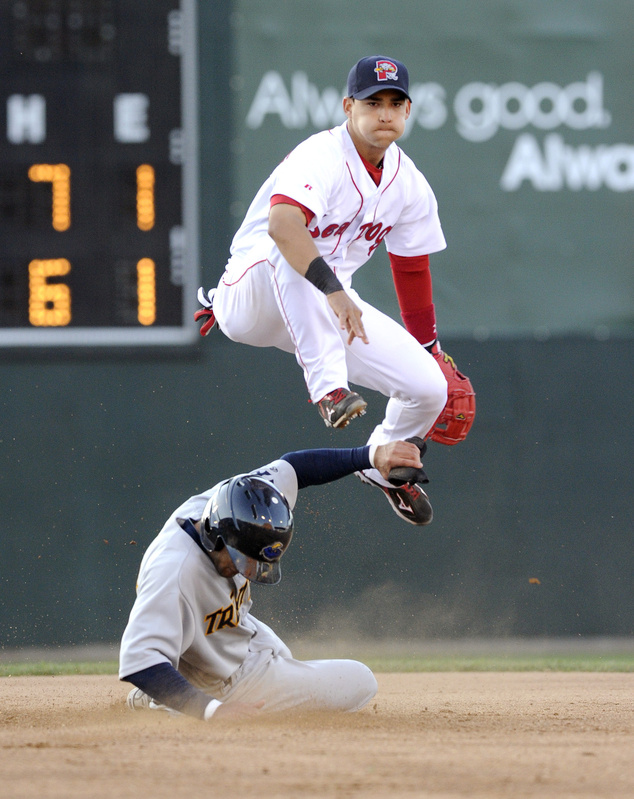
x: 386, y: 70
x: 273, y: 551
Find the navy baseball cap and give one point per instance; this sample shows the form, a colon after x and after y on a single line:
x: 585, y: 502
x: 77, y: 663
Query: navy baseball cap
x: 377, y: 72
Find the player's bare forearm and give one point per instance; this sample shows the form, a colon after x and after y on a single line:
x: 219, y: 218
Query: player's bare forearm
x: 287, y: 228
x: 396, y: 453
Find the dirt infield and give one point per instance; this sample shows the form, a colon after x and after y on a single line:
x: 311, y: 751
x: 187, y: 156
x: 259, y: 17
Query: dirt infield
x: 457, y: 734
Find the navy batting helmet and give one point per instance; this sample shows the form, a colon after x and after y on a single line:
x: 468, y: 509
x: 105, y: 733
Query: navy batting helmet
x: 253, y: 520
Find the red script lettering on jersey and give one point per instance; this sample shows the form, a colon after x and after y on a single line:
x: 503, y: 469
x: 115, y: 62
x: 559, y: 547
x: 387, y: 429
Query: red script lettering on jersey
x: 372, y: 232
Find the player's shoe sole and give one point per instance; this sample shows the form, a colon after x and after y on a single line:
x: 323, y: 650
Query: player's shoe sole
x: 408, y: 501
x: 139, y: 700
x: 400, y: 475
x: 338, y: 408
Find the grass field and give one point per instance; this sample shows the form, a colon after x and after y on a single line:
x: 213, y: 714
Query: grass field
x: 615, y: 662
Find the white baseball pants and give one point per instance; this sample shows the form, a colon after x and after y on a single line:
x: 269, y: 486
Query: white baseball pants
x: 268, y: 305
x: 285, y: 683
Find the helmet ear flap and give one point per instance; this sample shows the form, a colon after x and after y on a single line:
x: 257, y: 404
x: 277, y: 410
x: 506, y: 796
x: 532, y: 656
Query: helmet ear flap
x: 210, y: 534
x: 214, y: 539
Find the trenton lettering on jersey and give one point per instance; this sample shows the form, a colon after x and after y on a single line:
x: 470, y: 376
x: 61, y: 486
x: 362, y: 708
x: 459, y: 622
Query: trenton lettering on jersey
x: 228, y: 616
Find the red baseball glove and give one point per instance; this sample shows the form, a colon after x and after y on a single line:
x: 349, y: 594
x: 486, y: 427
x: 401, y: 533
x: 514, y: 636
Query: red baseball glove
x: 457, y: 416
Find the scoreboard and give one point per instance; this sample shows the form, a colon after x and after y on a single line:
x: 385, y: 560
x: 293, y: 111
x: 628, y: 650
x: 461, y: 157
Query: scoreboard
x: 98, y: 172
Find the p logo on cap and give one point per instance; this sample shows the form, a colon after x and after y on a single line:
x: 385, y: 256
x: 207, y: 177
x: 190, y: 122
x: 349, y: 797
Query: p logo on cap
x: 386, y: 70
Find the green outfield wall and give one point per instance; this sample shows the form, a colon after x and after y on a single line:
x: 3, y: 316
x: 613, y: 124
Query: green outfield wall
x: 523, y: 123
x: 96, y: 453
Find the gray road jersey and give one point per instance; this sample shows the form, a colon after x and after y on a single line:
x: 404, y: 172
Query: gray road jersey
x: 185, y: 613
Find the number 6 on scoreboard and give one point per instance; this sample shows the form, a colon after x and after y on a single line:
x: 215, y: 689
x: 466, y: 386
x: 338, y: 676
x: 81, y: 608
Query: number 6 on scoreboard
x: 49, y: 303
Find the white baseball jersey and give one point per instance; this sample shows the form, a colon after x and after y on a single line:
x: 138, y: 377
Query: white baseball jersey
x: 262, y: 301
x: 185, y: 613
x: 352, y: 215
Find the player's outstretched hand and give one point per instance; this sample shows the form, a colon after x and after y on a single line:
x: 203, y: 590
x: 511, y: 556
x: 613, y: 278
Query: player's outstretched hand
x: 349, y: 315
x: 237, y: 710
x: 396, y: 453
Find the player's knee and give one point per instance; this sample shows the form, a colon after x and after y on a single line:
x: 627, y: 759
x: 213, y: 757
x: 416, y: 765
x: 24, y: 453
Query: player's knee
x: 438, y: 391
x: 429, y: 391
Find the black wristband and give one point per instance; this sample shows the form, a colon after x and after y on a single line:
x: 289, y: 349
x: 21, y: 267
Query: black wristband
x: 322, y: 276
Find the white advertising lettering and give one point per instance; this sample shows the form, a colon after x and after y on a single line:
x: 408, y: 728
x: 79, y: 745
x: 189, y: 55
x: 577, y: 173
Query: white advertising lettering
x: 483, y: 108
x: 558, y: 166
x: 304, y: 104
x: 480, y: 111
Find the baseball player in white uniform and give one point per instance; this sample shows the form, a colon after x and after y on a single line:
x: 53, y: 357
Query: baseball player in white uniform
x: 288, y: 283
x: 191, y: 645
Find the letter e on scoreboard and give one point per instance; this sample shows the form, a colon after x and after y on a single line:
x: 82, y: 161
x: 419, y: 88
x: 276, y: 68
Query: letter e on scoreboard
x: 130, y: 118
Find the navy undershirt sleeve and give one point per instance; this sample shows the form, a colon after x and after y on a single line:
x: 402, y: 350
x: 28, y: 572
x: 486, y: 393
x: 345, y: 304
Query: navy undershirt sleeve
x: 318, y: 466
x: 168, y: 687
